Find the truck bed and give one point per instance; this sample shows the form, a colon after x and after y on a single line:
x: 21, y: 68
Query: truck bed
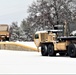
x: 66, y: 38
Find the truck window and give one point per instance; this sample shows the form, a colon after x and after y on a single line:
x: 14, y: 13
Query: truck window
x: 36, y: 36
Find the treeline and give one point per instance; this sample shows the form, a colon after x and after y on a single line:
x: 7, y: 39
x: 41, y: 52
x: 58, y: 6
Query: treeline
x: 43, y: 15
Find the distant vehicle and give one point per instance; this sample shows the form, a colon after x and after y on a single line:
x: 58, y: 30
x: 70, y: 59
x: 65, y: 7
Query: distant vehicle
x: 4, y: 32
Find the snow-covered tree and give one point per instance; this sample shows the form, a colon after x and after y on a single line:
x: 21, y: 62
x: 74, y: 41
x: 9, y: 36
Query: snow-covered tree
x: 14, y: 31
x: 25, y: 26
x: 44, y: 14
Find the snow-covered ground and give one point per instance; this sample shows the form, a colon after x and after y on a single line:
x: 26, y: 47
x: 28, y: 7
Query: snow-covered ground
x: 23, y: 62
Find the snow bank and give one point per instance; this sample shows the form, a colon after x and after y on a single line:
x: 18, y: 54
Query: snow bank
x: 31, y: 44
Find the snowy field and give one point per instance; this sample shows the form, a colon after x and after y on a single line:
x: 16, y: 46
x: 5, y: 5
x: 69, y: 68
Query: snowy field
x: 23, y: 62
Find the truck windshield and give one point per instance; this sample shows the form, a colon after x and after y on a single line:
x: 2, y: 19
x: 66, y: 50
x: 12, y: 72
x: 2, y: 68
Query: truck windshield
x: 36, y: 36
x: 3, y: 28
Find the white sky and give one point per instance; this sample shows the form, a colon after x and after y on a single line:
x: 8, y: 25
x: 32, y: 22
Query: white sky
x: 13, y: 10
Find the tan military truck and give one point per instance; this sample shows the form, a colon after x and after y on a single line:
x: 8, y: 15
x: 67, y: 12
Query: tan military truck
x: 4, y: 32
x: 51, y: 43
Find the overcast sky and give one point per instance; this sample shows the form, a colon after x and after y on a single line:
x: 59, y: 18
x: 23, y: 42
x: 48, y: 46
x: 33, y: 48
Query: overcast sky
x: 13, y: 10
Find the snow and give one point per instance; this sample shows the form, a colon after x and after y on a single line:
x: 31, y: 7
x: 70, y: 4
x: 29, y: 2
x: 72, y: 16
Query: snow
x: 46, y: 31
x: 73, y: 33
x: 23, y: 62
x: 41, y: 32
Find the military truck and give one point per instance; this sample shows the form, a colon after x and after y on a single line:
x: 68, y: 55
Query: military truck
x: 4, y: 32
x: 51, y: 43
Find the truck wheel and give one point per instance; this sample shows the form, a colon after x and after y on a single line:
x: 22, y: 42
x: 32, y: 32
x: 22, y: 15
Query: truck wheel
x: 44, y: 50
x: 51, y: 51
x: 62, y: 54
x: 6, y: 39
x: 72, y: 50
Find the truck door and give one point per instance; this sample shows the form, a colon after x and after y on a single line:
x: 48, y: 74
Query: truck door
x: 37, y: 40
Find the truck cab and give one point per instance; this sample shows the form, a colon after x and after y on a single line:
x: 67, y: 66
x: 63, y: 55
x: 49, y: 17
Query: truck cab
x: 46, y: 36
x: 4, y: 32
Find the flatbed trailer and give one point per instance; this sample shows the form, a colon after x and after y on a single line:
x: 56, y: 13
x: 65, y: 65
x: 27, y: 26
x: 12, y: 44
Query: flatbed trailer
x: 66, y: 38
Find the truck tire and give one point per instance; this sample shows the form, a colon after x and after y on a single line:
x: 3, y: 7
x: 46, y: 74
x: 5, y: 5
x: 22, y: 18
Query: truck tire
x: 44, y: 50
x: 72, y: 50
x: 51, y: 51
x: 6, y: 38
